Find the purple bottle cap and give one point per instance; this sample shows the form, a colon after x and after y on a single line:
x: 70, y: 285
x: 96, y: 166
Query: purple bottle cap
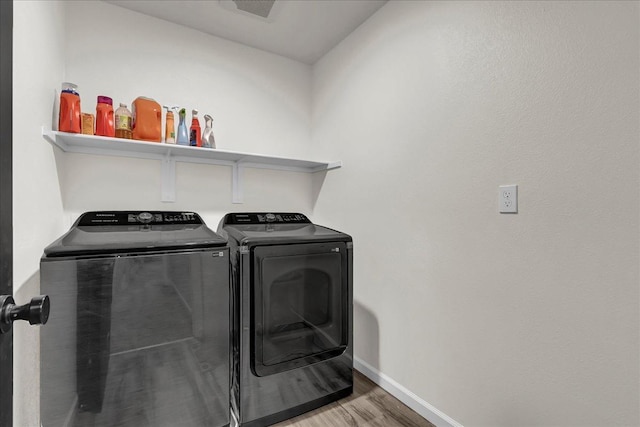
x: 104, y: 100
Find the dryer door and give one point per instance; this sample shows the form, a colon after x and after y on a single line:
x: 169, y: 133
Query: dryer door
x: 300, y: 313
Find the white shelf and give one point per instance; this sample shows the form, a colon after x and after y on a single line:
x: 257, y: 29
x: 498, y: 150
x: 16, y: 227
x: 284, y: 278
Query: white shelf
x: 168, y: 154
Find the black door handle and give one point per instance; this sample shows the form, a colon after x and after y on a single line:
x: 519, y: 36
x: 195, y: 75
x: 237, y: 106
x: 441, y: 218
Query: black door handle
x: 36, y: 311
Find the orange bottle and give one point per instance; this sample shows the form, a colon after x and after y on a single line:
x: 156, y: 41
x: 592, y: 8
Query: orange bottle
x: 70, y: 119
x: 147, y: 119
x: 104, y: 117
x: 169, y: 133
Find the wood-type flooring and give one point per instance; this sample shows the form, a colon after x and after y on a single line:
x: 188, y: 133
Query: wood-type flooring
x: 368, y: 406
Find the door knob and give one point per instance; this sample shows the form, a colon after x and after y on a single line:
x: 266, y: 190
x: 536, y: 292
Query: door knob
x: 36, y: 311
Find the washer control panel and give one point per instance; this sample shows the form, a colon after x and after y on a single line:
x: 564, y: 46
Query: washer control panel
x: 266, y: 218
x: 138, y: 217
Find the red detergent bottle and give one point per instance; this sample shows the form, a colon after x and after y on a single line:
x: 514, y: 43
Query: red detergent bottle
x: 195, y: 138
x: 70, y: 115
x: 104, y: 117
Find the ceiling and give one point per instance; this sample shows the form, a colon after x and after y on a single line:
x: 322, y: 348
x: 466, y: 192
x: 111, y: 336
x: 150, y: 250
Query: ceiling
x: 303, y: 30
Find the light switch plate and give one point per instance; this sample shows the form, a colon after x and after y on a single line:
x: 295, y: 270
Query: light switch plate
x: 508, y: 199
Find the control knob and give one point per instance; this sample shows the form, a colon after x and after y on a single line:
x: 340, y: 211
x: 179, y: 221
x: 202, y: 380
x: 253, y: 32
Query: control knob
x: 270, y: 217
x: 145, y: 217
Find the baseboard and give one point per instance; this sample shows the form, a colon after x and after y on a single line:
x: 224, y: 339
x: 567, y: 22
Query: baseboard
x: 428, y: 411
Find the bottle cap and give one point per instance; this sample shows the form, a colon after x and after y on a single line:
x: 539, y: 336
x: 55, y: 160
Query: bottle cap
x: 105, y: 100
x: 194, y: 112
x: 70, y: 87
x: 123, y: 105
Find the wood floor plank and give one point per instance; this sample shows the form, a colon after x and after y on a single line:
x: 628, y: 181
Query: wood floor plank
x: 368, y: 406
x: 331, y: 415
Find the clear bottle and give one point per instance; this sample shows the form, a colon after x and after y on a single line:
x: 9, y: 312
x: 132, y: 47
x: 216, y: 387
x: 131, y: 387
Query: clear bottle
x: 208, y: 141
x: 195, y: 137
x: 183, y: 134
x: 123, y: 122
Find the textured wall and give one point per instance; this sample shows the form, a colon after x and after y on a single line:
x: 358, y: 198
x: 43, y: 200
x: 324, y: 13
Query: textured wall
x: 527, y: 319
x: 496, y: 320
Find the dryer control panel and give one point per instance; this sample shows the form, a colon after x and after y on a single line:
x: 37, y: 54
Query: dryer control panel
x: 266, y: 218
x: 138, y: 217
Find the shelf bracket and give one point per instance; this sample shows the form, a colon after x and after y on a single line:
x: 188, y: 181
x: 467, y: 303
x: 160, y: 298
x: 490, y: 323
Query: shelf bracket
x: 168, y: 171
x: 236, y: 183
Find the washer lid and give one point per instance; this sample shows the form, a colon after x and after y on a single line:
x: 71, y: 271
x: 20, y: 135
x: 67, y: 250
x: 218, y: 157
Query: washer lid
x: 111, y: 232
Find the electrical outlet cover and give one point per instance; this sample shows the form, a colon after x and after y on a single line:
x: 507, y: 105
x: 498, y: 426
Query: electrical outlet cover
x: 508, y: 199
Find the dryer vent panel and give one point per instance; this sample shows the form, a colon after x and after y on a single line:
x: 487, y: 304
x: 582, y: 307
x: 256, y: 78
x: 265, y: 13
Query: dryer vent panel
x: 261, y: 8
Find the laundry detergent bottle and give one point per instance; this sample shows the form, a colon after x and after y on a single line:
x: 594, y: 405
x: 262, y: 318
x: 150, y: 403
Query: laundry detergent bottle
x: 104, y: 117
x: 183, y: 133
x: 147, y: 119
x: 70, y: 119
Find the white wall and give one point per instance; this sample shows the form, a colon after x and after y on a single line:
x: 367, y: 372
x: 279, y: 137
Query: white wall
x: 496, y: 320
x: 260, y: 103
x: 38, y: 64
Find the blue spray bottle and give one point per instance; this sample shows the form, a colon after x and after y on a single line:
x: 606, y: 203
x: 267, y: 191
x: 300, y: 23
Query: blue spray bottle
x: 183, y: 134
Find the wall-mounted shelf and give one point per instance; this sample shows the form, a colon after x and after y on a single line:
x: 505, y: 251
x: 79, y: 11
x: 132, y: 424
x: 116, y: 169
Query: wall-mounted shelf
x: 169, y: 154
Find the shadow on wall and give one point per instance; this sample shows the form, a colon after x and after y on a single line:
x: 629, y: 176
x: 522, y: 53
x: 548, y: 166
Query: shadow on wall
x: 26, y: 359
x: 366, y: 336
x: 55, y: 110
x: 57, y: 152
x: 316, y: 186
